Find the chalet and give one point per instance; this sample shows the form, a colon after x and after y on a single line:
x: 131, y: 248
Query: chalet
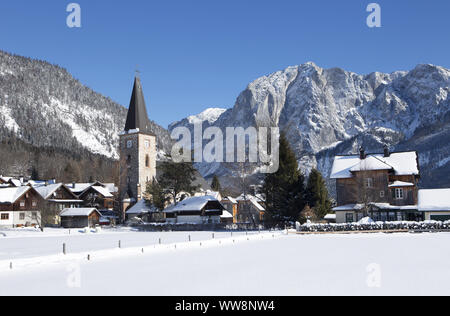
x: 250, y: 210
x: 20, y: 206
x: 195, y: 210
x: 231, y: 205
x: 80, y: 217
x: 98, y: 197
x: 382, y: 186
x: 435, y: 204
x: 59, y: 196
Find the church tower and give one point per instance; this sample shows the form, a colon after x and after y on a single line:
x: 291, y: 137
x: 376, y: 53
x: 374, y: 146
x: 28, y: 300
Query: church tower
x: 137, y: 150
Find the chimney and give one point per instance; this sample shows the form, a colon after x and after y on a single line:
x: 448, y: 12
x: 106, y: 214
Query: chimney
x: 73, y: 185
x: 387, y: 153
x: 46, y: 183
x: 362, y: 153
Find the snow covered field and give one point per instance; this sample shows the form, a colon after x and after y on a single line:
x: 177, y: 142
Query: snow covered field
x: 258, y: 264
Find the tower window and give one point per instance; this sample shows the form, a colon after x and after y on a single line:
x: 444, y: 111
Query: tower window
x: 129, y: 144
x: 147, y: 161
x: 147, y: 144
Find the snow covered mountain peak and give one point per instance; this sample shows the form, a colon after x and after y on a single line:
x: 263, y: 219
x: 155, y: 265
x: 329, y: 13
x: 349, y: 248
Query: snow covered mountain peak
x: 329, y: 111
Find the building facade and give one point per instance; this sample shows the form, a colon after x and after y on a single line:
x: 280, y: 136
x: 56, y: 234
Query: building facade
x: 137, y: 151
x: 382, y: 186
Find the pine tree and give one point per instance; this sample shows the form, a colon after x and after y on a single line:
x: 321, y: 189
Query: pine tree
x: 155, y: 195
x: 317, y: 194
x: 176, y: 178
x: 284, y: 190
x: 215, y: 185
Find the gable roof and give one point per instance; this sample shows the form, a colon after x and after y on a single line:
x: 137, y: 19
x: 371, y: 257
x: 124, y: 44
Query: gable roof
x: 253, y: 199
x: 402, y: 163
x: 137, y: 117
x: 12, y: 194
x: 78, y: 212
x: 140, y: 207
x: 101, y: 190
x: 196, y: 203
x: 434, y: 200
x: 47, y: 190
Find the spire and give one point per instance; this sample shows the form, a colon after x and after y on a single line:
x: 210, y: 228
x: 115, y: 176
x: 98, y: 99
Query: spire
x: 137, y: 117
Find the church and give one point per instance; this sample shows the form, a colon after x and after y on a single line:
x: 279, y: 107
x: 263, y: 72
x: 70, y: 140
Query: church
x: 137, y: 151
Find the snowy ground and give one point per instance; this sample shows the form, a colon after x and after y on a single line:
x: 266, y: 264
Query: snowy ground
x: 258, y: 264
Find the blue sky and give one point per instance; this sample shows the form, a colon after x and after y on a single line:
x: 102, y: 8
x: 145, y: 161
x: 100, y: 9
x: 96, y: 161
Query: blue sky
x: 195, y: 54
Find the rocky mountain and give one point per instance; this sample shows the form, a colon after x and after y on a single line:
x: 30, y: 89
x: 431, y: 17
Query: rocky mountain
x: 43, y: 105
x: 332, y: 111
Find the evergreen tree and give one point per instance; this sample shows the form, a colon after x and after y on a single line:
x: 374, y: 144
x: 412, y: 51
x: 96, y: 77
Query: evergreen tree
x: 317, y: 194
x: 284, y: 190
x: 155, y: 195
x: 215, y: 185
x: 176, y: 178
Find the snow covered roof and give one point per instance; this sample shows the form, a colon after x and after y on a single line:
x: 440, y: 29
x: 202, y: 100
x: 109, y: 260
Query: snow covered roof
x: 230, y: 199
x: 402, y: 163
x: 11, y: 195
x: 330, y: 216
x: 47, y: 191
x: 400, y: 184
x: 434, y: 200
x: 253, y: 199
x: 103, y: 191
x: 140, y: 207
x: 78, y: 212
x: 226, y: 214
x: 79, y: 187
x: 196, y: 203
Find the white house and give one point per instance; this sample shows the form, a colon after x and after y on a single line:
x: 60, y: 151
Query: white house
x: 435, y: 204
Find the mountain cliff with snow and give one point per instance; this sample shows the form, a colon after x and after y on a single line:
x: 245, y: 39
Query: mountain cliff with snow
x: 43, y: 105
x: 332, y: 111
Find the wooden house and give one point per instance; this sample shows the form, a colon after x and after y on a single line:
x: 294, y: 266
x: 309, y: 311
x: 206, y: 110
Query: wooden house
x: 20, y: 206
x: 250, y: 210
x: 231, y: 205
x: 381, y: 186
x: 80, y: 217
x: 99, y: 197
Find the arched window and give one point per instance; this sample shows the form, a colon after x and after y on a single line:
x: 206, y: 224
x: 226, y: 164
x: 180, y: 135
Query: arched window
x: 147, y: 161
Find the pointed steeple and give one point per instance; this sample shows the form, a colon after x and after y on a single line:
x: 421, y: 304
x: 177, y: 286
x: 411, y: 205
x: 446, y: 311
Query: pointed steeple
x: 137, y: 118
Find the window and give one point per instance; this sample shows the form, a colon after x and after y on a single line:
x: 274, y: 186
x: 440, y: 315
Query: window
x: 34, y: 216
x: 147, y: 161
x: 129, y: 144
x: 399, y: 194
x: 22, y: 216
x: 34, y: 203
x: 369, y: 183
x: 22, y: 204
x: 4, y: 217
x: 349, y: 218
x: 381, y: 194
x: 147, y: 144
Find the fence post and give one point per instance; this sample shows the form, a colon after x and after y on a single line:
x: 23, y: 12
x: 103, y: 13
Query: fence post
x: 64, y: 248
x: 120, y: 244
x: 160, y: 241
x: 213, y: 236
x: 89, y: 257
x: 10, y: 266
x: 189, y: 238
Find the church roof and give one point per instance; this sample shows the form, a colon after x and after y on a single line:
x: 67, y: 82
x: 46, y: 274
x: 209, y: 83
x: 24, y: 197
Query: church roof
x: 137, y: 118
